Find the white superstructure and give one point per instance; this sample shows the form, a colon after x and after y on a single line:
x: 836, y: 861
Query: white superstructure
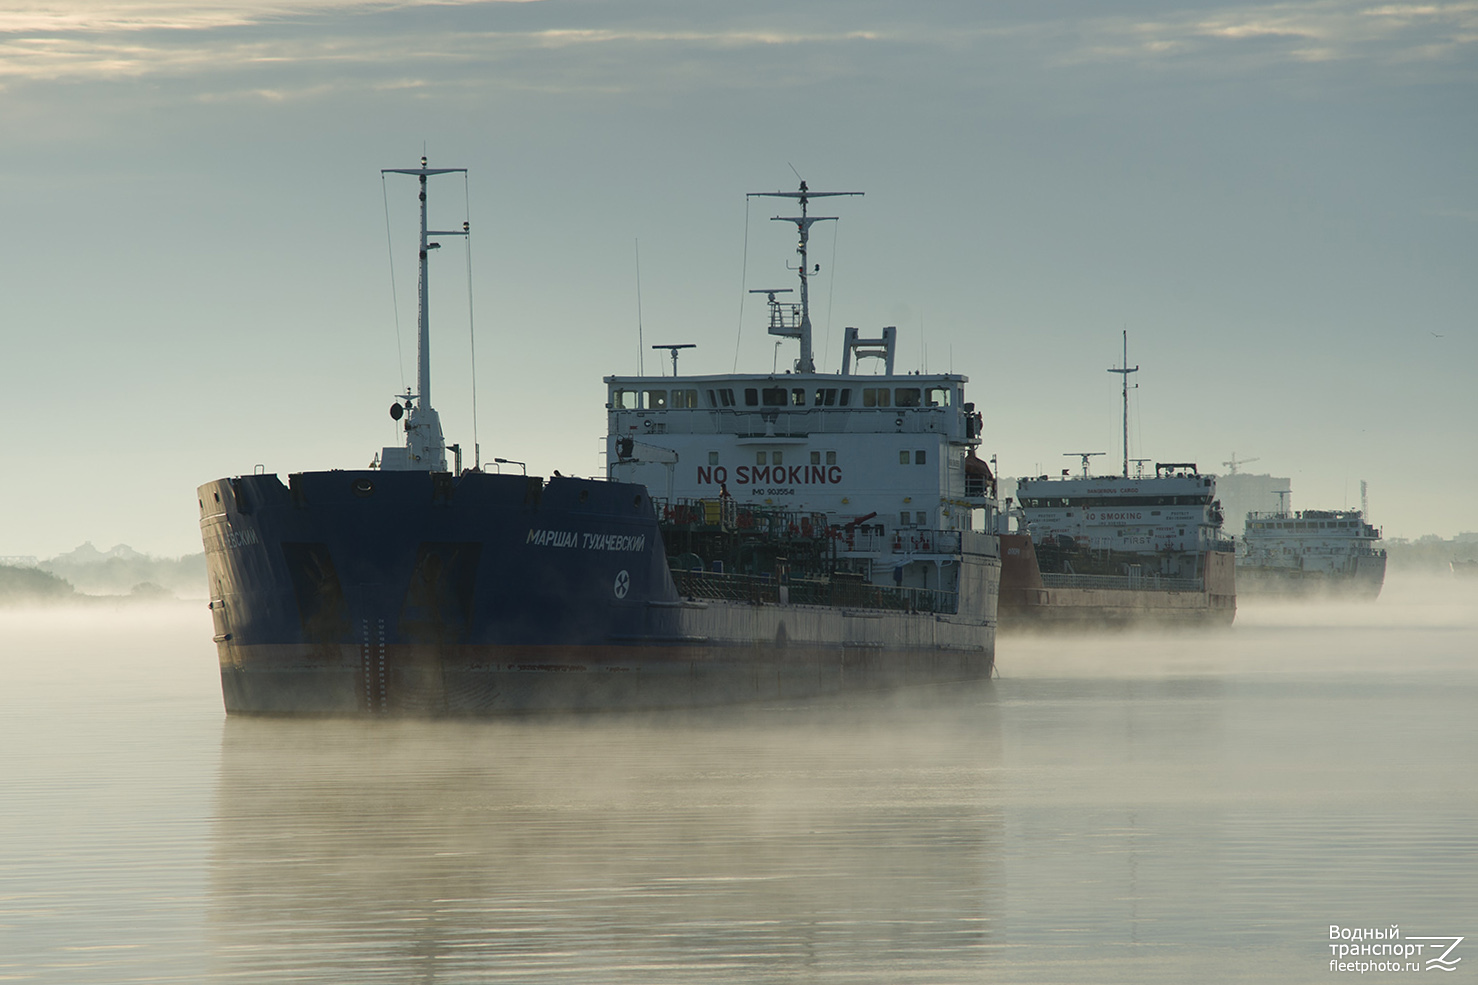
x: 1173, y: 510
x: 890, y: 459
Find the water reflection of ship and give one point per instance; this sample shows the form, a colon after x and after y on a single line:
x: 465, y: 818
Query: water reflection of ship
x: 582, y: 849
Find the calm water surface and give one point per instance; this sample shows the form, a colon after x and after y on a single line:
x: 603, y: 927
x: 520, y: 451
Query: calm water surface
x: 1113, y: 809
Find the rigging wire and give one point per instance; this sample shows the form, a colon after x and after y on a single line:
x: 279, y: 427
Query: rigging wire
x: 743, y: 282
x: 923, y: 339
x: 394, y: 297
x: 641, y: 348
x: 471, y: 327
x: 831, y: 284
x: 1138, y: 422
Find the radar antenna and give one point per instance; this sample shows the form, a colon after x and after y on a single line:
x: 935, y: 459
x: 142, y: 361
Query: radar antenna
x: 1084, y: 455
x: 785, y: 319
x: 674, y: 349
x: 801, y: 330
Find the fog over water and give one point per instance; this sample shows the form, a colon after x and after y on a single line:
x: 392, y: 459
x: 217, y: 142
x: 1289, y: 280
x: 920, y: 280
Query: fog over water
x: 1120, y: 808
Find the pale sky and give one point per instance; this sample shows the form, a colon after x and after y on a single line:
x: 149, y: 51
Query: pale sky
x: 1277, y: 201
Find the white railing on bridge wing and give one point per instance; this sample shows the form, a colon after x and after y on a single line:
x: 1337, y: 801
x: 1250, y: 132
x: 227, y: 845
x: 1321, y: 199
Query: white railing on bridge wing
x: 905, y: 541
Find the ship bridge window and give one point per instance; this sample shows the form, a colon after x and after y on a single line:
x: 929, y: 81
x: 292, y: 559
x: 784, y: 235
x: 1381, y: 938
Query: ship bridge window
x: 655, y: 399
x: 726, y: 397
x: 625, y: 399
x: 903, y: 457
x: 683, y: 399
x: 751, y: 397
x: 826, y: 397
x: 918, y: 457
x: 773, y: 396
x: 936, y: 396
x: 798, y: 397
x: 846, y: 397
x: 906, y: 397
x: 876, y: 397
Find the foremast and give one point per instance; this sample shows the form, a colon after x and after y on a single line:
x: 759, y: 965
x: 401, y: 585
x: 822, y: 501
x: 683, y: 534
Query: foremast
x: 800, y: 329
x: 425, y: 447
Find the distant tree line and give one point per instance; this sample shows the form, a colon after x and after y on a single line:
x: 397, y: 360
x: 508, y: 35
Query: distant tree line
x: 1430, y: 553
x: 88, y: 573
x: 25, y: 585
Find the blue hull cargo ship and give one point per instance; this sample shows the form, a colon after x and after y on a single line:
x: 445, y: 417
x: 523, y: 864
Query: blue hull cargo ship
x: 411, y: 588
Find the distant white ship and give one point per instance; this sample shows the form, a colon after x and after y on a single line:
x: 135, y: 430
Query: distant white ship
x: 1310, y: 552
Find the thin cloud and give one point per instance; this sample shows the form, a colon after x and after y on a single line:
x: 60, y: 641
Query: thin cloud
x: 20, y: 17
x: 133, y: 41
x: 1323, y: 31
x: 214, y: 44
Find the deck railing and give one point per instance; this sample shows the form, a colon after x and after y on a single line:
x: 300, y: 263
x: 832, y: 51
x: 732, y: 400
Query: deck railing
x: 805, y: 591
x: 1137, y: 583
x: 904, y: 541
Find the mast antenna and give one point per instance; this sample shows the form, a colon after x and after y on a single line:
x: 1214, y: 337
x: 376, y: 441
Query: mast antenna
x: 803, y: 222
x: 424, y: 439
x: 641, y: 366
x: 1123, y: 371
